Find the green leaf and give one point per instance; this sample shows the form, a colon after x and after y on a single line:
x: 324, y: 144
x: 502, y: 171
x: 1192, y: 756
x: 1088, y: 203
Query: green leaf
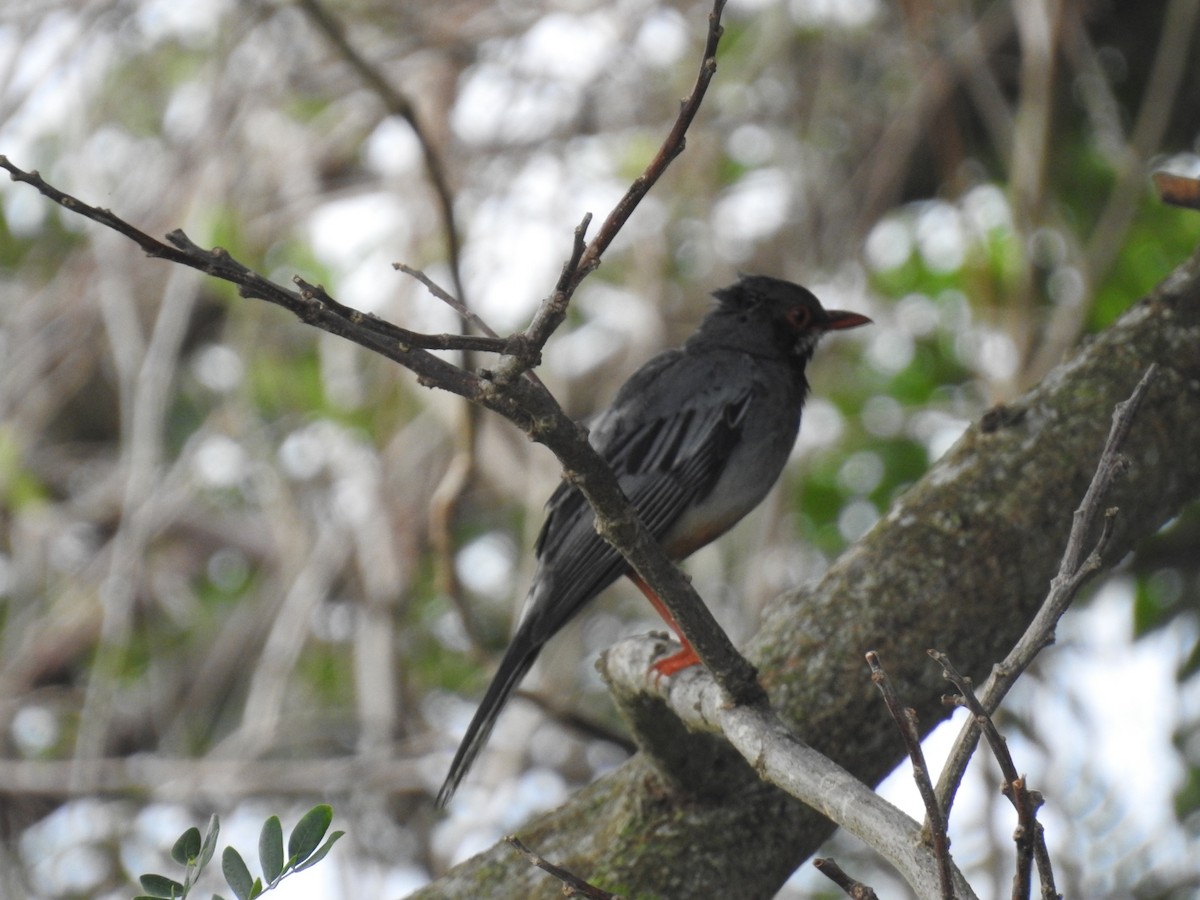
x: 187, y: 848
x: 307, y: 834
x: 236, y: 873
x: 270, y: 849
x: 210, y: 840
x: 161, y: 886
x: 320, y: 854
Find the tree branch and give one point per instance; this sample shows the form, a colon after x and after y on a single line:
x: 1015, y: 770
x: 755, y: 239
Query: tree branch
x: 778, y: 757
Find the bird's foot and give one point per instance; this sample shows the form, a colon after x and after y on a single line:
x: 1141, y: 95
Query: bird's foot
x: 676, y: 662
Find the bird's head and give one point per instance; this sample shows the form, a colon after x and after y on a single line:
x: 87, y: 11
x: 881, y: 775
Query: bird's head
x: 760, y: 311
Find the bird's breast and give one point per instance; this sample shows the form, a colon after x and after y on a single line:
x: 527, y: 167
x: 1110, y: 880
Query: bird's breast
x: 765, y: 443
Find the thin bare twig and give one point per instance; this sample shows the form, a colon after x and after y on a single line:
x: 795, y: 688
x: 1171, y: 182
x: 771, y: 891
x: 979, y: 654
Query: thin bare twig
x: 906, y: 722
x: 572, y: 884
x: 1073, y: 573
x: 671, y: 147
x: 586, y: 257
x: 446, y: 297
x: 856, y: 889
x: 490, y: 343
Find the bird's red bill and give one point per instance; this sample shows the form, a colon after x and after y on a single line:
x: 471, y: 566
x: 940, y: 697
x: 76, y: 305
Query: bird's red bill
x: 839, y: 319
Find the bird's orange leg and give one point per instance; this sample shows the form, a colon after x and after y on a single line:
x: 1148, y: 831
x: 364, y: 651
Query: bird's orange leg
x: 676, y: 662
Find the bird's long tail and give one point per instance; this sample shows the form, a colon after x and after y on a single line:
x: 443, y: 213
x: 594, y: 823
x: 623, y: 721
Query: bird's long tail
x: 518, y: 659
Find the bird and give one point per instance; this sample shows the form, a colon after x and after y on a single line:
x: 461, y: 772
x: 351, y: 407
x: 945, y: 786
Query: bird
x: 696, y: 438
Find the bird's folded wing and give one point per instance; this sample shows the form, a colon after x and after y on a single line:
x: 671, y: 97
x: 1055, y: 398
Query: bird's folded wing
x: 664, y: 464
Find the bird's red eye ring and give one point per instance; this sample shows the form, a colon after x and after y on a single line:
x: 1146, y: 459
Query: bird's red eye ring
x: 799, y: 317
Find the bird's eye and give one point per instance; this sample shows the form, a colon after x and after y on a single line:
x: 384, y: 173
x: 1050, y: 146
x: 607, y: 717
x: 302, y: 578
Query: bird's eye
x: 799, y: 317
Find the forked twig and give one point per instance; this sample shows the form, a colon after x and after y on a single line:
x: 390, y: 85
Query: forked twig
x: 1029, y: 835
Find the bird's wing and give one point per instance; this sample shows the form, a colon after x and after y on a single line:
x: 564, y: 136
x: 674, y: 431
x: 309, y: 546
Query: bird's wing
x: 667, y: 438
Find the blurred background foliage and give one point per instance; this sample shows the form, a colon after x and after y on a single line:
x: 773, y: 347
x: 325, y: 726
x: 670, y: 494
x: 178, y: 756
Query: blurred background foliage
x: 235, y: 569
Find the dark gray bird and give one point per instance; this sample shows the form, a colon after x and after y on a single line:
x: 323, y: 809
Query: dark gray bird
x: 697, y: 437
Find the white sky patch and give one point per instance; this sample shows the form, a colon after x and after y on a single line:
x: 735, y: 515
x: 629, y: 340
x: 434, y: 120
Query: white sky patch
x: 34, y: 729
x: 566, y: 47
x: 532, y: 86
x: 1127, y: 694
x: 662, y: 38
x: 513, y: 267
x: 373, y: 284
x: 495, y: 106
x: 304, y: 453
x: 187, y: 114
x: 862, y: 472
x: 937, y: 430
x: 487, y: 565
x: 220, y: 462
x: 617, y: 320
x: 889, y: 244
x: 753, y: 209
x: 997, y: 356
x: 916, y: 314
x: 54, y: 73
x: 883, y: 416
x: 1066, y: 286
x: 518, y: 242
x: 986, y: 208
x: 940, y: 236
x: 749, y: 6
x: 821, y: 425
x: 890, y: 350
x: 41, y: 55
x: 359, y: 238
x: 392, y: 149
x: 343, y: 232
x: 836, y: 13
x: 750, y: 144
x: 991, y: 353
x: 218, y: 367
x: 25, y: 211
x: 193, y: 22
x: 856, y: 519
